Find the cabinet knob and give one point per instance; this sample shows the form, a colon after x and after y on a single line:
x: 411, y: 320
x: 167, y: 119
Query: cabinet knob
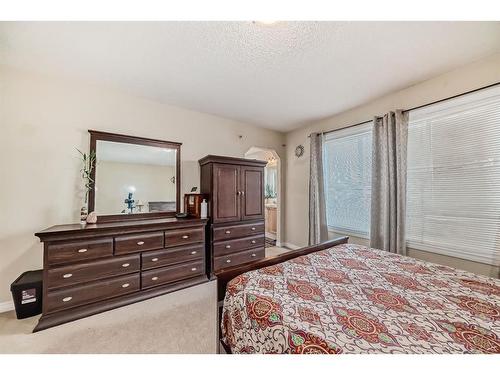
x: 193, y: 269
x: 193, y: 252
x: 228, y: 261
x: 239, y: 193
x: 140, y: 243
x: 125, y: 265
x: 67, y: 275
x: 154, y: 260
x: 82, y: 250
x: 228, y: 246
x: 67, y: 299
x: 126, y: 285
x: 253, y: 228
x: 254, y: 255
x: 154, y: 278
x: 185, y: 236
x: 253, y: 241
x: 228, y: 232
x: 242, y: 193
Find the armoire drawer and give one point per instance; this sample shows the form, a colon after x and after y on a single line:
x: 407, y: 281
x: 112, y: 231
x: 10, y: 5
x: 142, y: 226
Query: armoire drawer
x: 160, y: 258
x: 138, y: 242
x: 170, y: 274
x: 231, y: 246
x: 235, y: 259
x: 94, y: 270
x: 66, y: 298
x: 235, y: 231
x: 61, y: 252
x: 186, y: 236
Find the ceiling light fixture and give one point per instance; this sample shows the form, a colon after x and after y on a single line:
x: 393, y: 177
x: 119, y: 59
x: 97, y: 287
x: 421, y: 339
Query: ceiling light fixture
x: 266, y: 22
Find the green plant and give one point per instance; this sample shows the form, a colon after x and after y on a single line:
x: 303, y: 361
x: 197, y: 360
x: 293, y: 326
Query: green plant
x: 88, y: 163
x: 270, y: 192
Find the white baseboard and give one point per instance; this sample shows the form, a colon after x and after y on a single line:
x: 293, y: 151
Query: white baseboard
x: 6, y: 306
x: 290, y: 245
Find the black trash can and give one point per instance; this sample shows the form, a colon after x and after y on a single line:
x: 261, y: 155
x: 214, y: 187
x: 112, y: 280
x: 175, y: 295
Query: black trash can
x: 27, y: 294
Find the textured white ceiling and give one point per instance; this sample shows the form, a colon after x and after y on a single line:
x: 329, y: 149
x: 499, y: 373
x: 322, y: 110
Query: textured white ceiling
x: 276, y: 76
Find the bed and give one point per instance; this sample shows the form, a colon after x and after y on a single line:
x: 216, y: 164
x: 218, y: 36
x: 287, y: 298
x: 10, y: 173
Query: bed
x: 344, y: 298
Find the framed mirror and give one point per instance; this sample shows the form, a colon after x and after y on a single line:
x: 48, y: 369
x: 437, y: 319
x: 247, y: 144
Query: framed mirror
x: 134, y: 177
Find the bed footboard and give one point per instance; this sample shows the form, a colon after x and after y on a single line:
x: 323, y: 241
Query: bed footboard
x: 226, y: 275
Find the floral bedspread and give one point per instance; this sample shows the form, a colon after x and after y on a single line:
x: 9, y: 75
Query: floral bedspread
x: 353, y: 299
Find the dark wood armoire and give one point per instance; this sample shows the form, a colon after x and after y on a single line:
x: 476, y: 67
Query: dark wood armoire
x: 235, y: 190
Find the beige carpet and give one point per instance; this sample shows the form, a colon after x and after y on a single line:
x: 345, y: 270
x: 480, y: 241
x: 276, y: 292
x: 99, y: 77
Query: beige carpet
x: 275, y: 250
x: 179, y: 322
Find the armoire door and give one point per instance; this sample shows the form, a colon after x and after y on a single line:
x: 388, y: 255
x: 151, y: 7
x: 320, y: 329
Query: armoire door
x: 252, y: 192
x: 226, y: 193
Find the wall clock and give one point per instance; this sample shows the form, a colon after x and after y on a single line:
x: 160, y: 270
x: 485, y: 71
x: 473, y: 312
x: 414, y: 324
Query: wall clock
x: 299, y: 151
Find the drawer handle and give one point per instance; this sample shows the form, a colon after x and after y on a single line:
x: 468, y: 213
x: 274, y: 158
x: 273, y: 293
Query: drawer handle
x: 253, y: 228
x: 67, y: 275
x: 193, y: 252
x: 253, y: 241
x: 254, y: 255
x: 193, y: 269
x: 82, y: 250
x: 140, y: 243
x: 126, y: 285
x: 154, y: 260
x: 125, y: 265
x: 154, y: 278
x: 228, y: 232
x: 67, y: 299
x: 185, y: 236
x: 228, y: 261
x: 228, y: 246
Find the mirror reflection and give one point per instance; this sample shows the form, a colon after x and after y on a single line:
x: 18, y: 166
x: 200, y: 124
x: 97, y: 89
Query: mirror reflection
x: 133, y: 178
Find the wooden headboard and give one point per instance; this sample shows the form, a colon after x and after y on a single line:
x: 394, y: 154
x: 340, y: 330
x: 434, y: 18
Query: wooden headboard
x: 226, y: 275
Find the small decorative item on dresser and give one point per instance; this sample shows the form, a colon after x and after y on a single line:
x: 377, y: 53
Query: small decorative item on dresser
x: 88, y: 163
x: 192, y: 204
x: 204, y: 209
x: 92, y: 218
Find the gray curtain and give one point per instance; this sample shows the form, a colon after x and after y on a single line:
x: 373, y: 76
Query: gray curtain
x: 318, y: 231
x: 388, y: 196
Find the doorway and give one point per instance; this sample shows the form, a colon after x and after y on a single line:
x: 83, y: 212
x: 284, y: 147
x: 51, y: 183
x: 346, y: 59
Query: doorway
x: 272, y: 192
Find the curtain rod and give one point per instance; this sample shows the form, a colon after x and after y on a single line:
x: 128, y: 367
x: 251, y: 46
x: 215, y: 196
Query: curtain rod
x: 414, y: 108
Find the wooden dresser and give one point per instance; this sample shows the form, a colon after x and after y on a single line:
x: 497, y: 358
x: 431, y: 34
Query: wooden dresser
x: 98, y: 267
x: 235, y: 190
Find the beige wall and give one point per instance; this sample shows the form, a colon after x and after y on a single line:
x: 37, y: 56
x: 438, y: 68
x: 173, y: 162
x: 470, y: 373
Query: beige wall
x: 152, y: 184
x: 43, y: 119
x: 466, y: 78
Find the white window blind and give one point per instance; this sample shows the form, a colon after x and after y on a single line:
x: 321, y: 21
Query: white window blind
x: 453, y: 188
x: 347, y: 164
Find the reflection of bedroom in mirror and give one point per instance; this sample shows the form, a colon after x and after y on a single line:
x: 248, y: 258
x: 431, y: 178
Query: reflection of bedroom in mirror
x: 134, y: 176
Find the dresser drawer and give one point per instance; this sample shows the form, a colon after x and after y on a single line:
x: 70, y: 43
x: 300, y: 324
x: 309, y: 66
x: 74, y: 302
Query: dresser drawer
x: 160, y: 258
x: 74, y: 251
x: 231, y: 246
x: 138, y: 242
x: 183, y: 236
x: 235, y: 259
x: 170, y: 274
x: 91, y: 292
x: 235, y: 231
x: 88, y: 271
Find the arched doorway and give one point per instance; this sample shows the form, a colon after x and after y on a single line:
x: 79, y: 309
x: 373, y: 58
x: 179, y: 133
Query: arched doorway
x: 272, y: 190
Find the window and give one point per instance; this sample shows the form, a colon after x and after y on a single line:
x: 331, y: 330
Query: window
x: 453, y: 186
x: 347, y: 164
